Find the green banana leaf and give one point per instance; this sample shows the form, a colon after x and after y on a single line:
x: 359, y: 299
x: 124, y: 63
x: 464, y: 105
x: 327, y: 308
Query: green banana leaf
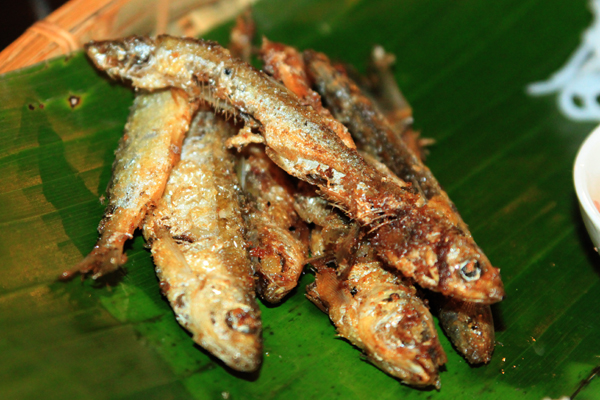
x: 504, y: 158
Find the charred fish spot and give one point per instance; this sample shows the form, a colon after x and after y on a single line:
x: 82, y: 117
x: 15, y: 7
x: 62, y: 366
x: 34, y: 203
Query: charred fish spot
x: 227, y: 71
x: 179, y: 301
x: 164, y: 287
x: 470, y: 270
x: 292, y: 229
x: 242, y: 321
x: 353, y: 291
x: 184, y: 238
x: 392, y: 297
x: 74, y: 101
x: 283, y: 263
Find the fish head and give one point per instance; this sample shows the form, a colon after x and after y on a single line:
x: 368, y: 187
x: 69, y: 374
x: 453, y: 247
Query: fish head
x: 398, y: 334
x: 467, y: 274
x: 227, y: 323
x: 129, y: 58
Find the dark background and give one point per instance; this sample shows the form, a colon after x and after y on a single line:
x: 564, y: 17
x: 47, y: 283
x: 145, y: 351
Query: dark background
x: 17, y: 16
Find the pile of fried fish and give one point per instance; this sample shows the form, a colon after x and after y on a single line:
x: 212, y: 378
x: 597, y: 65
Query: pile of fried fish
x: 239, y: 178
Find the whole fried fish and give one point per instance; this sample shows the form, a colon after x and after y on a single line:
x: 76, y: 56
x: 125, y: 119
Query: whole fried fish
x: 369, y: 306
x: 374, y: 135
x: 196, y: 233
x: 407, y: 233
x: 148, y: 150
x: 376, y: 312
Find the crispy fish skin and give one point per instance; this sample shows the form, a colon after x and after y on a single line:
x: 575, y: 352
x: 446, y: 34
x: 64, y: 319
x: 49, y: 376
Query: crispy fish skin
x: 278, y: 237
x: 197, y: 238
x: 148, y: 150
x: 376, y: 312
x: 408, y: 233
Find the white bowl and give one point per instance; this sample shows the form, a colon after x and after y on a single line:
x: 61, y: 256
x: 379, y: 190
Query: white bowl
x: 586, y: 175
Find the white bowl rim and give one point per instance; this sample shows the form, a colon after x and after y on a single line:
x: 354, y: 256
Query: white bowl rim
x: 580, y: 177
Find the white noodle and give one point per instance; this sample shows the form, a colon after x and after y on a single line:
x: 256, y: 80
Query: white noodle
x: 578, y: 81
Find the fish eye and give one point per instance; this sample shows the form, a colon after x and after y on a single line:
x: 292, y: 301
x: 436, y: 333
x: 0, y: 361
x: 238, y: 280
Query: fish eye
x: 470, y: 270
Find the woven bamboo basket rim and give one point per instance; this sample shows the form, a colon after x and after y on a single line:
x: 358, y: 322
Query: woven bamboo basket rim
x: 78, y: 21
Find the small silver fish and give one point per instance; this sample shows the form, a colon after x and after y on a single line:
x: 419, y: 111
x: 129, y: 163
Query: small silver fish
x: 148, y: 150
x: 197, y: 238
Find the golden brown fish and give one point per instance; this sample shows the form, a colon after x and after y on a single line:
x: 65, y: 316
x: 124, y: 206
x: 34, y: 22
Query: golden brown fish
x: 197, y: 238
x: 375, y: 136
x: 278, y: 237
x: 150, y: 146
x: 376, y: 312
x: 407, y: 233
x: 369, y: 306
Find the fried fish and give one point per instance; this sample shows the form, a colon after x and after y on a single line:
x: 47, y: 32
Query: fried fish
x: 148, y: 150
x: 196, y: 234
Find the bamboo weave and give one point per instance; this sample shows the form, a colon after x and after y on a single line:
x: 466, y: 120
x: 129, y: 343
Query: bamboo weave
x: 79, y: 21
